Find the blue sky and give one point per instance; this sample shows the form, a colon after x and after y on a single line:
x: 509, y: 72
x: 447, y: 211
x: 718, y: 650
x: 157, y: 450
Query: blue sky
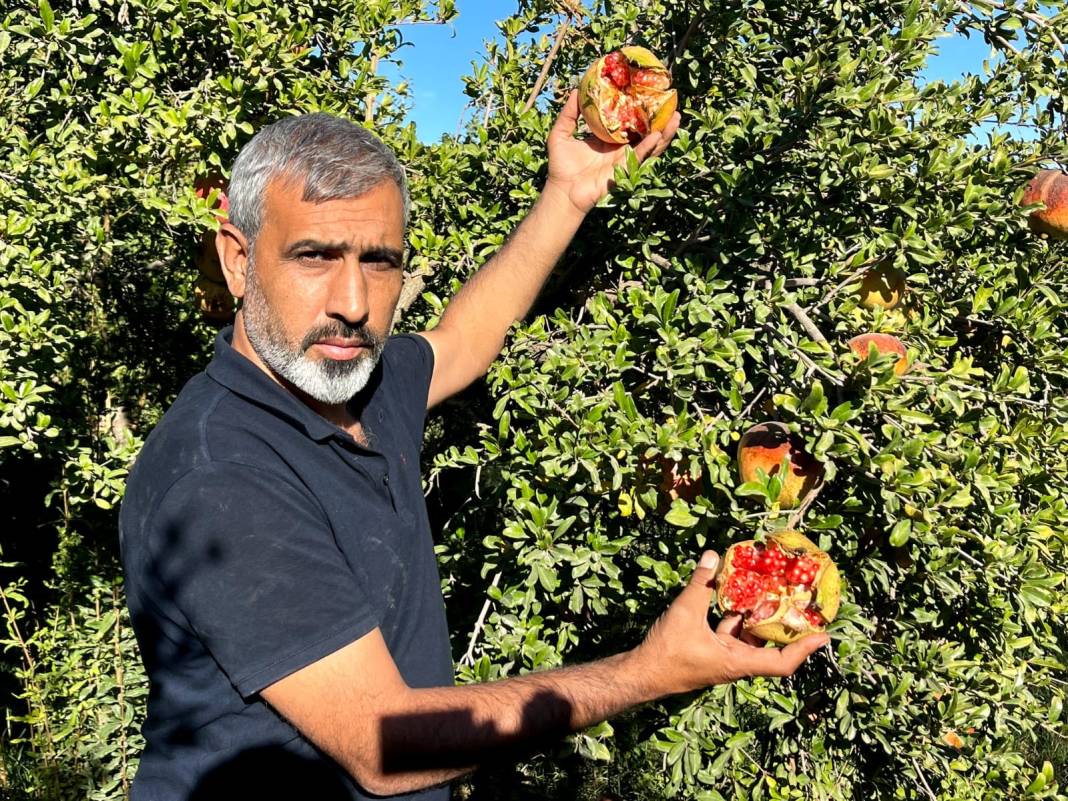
x: 441, y: 54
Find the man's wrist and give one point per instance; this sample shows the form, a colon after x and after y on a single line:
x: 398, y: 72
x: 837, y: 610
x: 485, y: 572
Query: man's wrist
x: 557, y: 197
x: 644, y: 674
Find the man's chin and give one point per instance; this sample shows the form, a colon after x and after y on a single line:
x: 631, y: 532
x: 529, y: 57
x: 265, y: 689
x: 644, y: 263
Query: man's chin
x: 332, y: 381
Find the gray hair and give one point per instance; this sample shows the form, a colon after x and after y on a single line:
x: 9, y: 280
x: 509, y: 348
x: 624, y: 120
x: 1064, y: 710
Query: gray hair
x: 336, y: 158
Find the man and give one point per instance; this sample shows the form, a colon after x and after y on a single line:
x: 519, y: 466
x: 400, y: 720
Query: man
x: 280, y: 567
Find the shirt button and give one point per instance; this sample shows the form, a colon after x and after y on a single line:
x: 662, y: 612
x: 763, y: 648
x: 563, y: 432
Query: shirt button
x: 385, y: 480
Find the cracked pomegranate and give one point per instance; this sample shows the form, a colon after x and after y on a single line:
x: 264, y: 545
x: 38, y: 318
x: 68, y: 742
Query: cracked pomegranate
x: 784, y: 588
x: 626, y: 95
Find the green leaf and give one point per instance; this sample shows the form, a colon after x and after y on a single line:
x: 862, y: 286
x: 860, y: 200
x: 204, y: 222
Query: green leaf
x: 48, y: 17
x: 899, y: 535
x: 913, y: 416
x: 679, y: 515
x: 816, y: 402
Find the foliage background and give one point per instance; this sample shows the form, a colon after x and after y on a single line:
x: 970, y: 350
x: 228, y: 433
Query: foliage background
x: 710, y: 292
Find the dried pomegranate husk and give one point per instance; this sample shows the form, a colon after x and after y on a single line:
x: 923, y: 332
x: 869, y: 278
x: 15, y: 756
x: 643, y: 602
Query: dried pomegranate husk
x: 777, y: 616
x: 623, y: 105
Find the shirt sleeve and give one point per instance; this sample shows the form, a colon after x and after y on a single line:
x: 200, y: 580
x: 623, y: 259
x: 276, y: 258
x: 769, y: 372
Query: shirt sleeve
x: 251, y: 564
x: 409, y: 362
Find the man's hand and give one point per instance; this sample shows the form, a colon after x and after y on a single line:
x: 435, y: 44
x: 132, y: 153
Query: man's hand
x: 581, y: 169
x: 681, y: 652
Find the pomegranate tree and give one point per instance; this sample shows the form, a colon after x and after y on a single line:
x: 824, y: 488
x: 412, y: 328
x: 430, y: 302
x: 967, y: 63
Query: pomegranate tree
x: 784, y: 588
x: 626, y: 95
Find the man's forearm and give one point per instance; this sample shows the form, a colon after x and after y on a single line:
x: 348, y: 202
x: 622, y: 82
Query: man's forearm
x: 505, y: 288
x: 436, y: 734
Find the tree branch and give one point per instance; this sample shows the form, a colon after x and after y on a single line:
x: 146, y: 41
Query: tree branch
x: 802, y: 317
x: 469, y: 657
x: 680, y: 48
x: 544, y: 74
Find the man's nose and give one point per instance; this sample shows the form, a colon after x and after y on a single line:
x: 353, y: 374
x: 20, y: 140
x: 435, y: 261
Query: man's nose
x: 347, y: 299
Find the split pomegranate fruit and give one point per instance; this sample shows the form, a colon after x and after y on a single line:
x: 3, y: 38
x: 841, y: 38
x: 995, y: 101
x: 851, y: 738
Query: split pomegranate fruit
x: 784, y: 588
x: 626, y: 95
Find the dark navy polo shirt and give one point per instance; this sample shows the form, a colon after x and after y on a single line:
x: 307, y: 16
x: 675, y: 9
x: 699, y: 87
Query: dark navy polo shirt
x: 257, y: 538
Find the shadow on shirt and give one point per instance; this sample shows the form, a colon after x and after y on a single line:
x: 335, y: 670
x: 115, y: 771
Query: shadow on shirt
x: 271, y: 773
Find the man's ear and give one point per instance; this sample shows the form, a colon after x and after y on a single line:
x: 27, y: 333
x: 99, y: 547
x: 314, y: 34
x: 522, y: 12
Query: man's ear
x: 232, y: 248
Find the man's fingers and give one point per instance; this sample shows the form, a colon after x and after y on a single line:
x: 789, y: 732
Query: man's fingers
x: 729, y: 626
x: 751, y: 639
x: 698, y: 593
x: 782, y: 661
x: 668, y: 133
x: 644, y: 149
x: 568, y: 120
x: 657, y: 142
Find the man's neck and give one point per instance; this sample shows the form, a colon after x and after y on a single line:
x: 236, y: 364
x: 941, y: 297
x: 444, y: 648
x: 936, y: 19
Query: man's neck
x: 337, y: 413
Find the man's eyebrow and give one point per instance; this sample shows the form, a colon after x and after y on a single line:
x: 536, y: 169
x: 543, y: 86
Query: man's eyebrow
x: 384, y: 253
x: 317, y: 244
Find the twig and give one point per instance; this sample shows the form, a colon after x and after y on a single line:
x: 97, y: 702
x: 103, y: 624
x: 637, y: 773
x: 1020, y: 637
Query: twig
x: 753, y: 402
x: 693, y: 237
x: 120, y: 682
x: 799, y: 512
x: 802, y: 317
x: 660, y: 261
x: 792, y: 283
x: 680, y: 48
x: 469, y: 657
x: 967, y: 557
x: 371, y: 96
x: 923, y: 780
x: 410, y: 290
x: 1038, y: 19
x: 31, y: 674
x: 968, y: 11
x: 813, y: 366
x: 544, y: 74
x: 460, y: 119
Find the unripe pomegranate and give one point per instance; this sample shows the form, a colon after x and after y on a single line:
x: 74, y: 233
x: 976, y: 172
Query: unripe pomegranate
x: 882, y: 288
x: 626, y: 95
x: 784, y: 588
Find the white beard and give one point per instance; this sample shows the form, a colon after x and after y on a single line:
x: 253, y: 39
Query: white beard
x: 326, y: 380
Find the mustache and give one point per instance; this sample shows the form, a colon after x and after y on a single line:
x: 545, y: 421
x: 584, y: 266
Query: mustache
x: 361, y: 334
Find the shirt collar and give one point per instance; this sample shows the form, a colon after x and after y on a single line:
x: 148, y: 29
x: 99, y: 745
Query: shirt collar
x: 238, y: 374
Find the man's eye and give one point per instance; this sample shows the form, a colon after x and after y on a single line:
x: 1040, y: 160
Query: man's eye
x: 374, y: 264
x: 314, y: 255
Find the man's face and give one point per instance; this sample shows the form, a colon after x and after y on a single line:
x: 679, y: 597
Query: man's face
x: 321, y: 287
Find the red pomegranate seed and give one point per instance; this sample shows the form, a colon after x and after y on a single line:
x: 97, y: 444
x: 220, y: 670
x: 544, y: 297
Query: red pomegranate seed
x: 617, y: 70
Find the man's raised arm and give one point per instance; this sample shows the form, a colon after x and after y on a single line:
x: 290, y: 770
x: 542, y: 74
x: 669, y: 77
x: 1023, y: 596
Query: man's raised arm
x: 471, y: 331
